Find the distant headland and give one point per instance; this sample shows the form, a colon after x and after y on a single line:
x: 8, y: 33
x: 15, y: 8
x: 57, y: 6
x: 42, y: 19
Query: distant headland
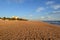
x: 13, y: 18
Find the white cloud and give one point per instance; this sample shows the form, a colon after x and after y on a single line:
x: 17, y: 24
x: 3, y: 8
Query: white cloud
x: 49, y: 2
x: 55, y: 6
x: 56, y: 12
x: 48, y: 17
x: 42, y: 17
x: 40, y: 9
x: 31, y: 16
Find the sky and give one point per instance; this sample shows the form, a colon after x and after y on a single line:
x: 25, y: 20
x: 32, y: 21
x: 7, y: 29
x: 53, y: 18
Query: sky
x: 31, y: 9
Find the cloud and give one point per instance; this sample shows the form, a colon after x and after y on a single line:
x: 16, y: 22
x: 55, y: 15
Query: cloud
x: 56, y: 12
x: 49, y: 2
x: 53, y: 13
x: 42, y: 17
x: 49, y: 17
x: 40, y: 9
x: 31, y: 15
x: 46, y: 18
x: 55, y: 6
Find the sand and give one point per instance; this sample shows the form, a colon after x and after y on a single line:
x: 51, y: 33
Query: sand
x: 28, y: 30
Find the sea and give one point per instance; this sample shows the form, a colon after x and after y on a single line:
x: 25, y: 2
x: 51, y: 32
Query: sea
x: 53, y: 22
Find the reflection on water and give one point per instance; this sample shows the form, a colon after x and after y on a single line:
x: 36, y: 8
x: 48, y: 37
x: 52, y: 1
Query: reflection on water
x: 53, y: 22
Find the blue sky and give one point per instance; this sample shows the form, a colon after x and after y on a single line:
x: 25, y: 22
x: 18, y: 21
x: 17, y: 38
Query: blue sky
x: 31, y: 9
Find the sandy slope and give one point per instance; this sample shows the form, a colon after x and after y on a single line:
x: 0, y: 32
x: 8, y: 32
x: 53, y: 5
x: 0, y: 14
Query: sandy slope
x: 28, y: 30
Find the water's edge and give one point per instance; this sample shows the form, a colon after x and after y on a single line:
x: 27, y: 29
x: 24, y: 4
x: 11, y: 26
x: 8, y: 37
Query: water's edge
x: 53, y: 22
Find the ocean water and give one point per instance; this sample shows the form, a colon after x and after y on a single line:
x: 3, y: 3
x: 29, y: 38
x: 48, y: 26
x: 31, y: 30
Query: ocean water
x: 53, y: 22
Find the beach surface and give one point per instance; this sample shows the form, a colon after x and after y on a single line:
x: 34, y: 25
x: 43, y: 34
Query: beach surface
x: 28, y: 30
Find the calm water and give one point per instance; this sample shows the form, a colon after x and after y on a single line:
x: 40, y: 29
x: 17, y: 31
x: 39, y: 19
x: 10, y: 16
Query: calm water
x: 53, y: 22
